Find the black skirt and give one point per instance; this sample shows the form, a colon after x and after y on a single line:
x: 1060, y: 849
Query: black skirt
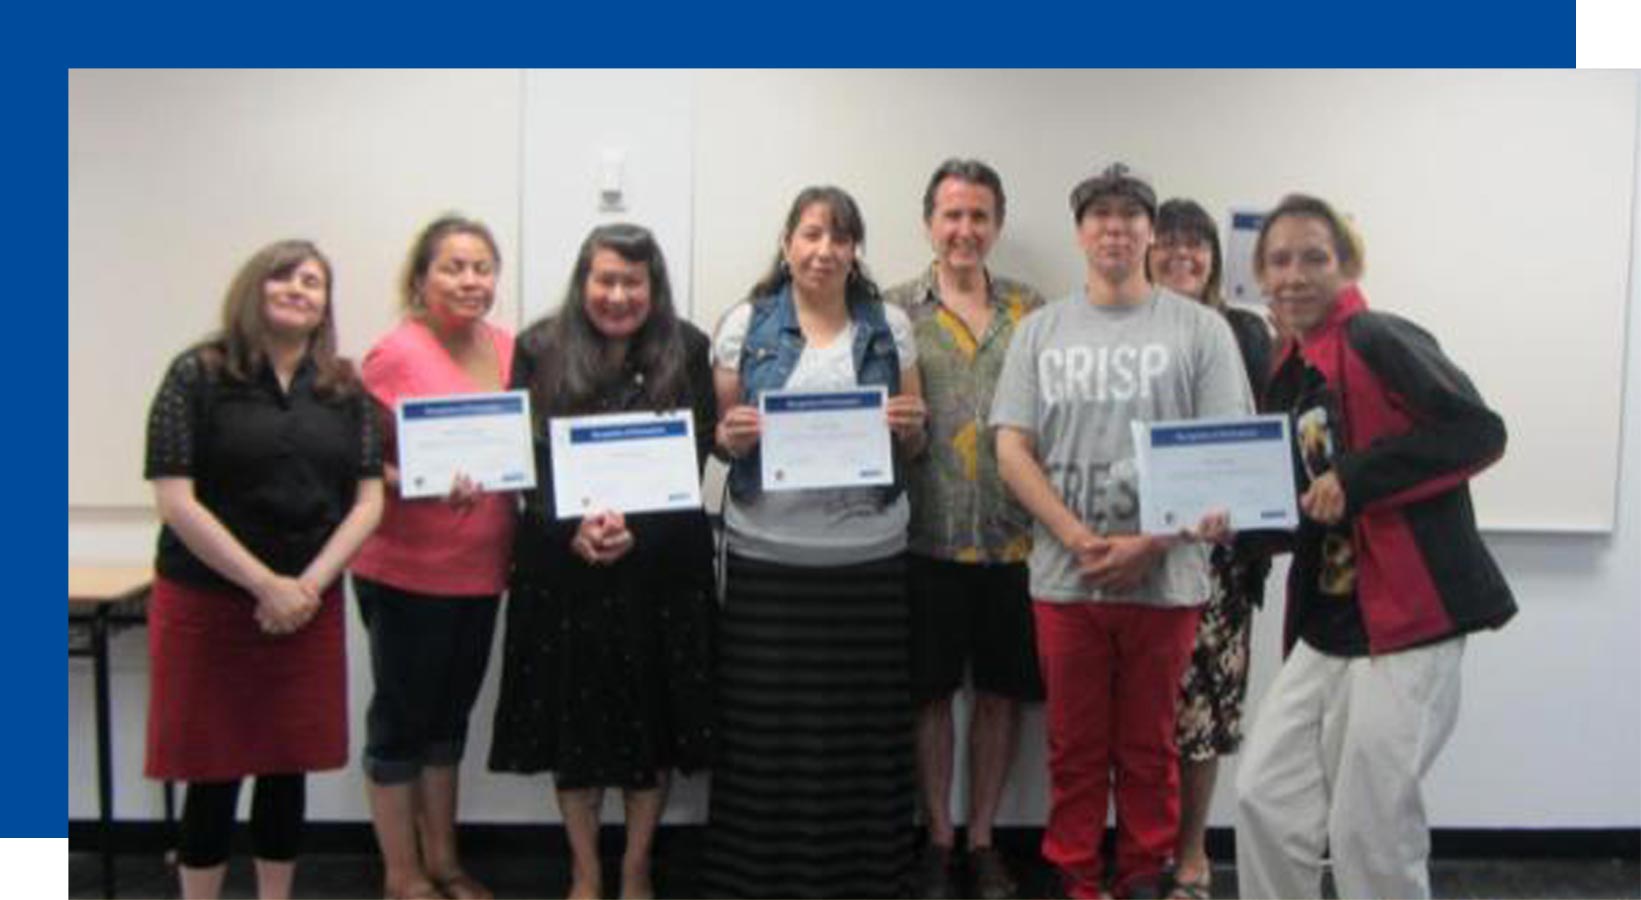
x: 606, y: 672
x: 814, y: 786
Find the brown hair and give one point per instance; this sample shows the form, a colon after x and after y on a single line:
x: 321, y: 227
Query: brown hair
x: 237, y: 348
x: 1184, y: 216
x: 970, y: 171
x: 426, y: 247
x: 1347, y: 244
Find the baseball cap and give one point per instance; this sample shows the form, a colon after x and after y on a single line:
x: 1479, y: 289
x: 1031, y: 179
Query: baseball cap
x: 1116, y: 178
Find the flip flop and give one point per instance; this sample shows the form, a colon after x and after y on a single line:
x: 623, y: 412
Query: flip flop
x: 461, y: 886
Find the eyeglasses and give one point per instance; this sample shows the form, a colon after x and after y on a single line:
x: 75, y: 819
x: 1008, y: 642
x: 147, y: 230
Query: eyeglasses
x: 1172, y: 242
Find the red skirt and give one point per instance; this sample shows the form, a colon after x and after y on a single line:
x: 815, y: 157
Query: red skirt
x: 226, y: 700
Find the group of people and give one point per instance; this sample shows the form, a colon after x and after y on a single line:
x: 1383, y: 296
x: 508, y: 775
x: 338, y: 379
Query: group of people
x: 809, y: 660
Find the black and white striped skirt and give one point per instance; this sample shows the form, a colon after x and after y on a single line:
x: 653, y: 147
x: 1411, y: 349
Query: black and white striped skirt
x: 814, y: 786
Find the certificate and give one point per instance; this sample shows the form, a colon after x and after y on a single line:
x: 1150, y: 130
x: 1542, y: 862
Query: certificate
x: 1187, y: 469
x: 825, y: 439
x: 484, y: 436
x: 628, y: 462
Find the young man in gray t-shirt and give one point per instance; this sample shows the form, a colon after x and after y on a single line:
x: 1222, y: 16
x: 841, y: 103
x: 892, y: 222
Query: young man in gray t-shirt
x: 1115, y: 610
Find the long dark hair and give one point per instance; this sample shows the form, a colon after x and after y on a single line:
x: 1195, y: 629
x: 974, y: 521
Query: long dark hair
x: 237, y: 348
x: 572, y: 371
x: 846, y: 222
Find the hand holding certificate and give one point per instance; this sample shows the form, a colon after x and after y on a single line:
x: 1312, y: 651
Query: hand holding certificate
x: 1188, y: 469
x: 625, y: 462
x: 485, y: 437
x: 825, y: 439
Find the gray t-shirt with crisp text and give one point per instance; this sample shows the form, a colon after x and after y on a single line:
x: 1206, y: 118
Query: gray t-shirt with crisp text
x: 1076, y: 375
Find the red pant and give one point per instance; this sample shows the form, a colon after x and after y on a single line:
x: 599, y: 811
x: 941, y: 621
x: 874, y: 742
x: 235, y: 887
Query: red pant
x: 1112, y: 671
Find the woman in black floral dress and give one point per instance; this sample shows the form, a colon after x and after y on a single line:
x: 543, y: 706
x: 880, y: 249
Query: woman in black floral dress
x: 1186, y: 259
x: 607, y: 673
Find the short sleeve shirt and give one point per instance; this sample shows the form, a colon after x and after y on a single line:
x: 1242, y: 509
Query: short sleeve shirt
x: 1076, y: 377
x: 961, y: 510
x: 279, y: 468
x: 819, y: 527
x: 425, y: 545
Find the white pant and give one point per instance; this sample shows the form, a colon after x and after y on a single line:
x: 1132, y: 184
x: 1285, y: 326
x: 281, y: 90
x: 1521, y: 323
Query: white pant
x: 1334, y: 763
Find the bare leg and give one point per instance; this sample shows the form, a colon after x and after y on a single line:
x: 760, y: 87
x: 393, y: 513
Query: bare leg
x: 934, y: 768
x: 991, y: 750
x: 273, y: 878
x: 204, y: 883
x: 580, y: 811
x: 643, y: 815
x: 436, y: 819
x: 1196, y: 789
x: 393, y: 814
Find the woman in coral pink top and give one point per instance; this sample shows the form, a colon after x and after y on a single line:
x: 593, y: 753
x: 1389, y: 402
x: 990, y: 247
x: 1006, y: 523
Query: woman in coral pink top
x: 430, y: 579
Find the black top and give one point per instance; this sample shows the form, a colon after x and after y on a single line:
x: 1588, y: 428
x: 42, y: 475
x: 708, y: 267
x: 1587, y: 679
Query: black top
x: 279, y: 469
x: 1328, y: 615
x: 1254, y: 340
x: 1244, y: 566
x: 673, y: 549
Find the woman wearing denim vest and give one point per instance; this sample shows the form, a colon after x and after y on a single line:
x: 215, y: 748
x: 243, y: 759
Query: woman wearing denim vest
x: 814, y: 787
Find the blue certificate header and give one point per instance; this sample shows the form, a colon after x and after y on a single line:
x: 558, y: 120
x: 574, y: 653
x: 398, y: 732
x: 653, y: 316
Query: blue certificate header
x: 637, y: 431
x: 1196, y: 435
x: 823, y: 402
x: 454, y: 409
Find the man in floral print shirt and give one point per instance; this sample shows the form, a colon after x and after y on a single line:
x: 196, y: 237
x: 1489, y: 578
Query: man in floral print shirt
x: 969, y: 539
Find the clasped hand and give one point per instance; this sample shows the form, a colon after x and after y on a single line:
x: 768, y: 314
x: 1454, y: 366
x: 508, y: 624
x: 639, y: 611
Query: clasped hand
x: 602, y: 538
x: 1121, y: 562
x: 285, y: 604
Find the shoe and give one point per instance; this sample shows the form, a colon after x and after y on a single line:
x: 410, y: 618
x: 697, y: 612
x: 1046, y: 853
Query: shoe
x: 1195, y: 889
x: 989, y: 873
x: 1142, y: 889
x: 934, y: 874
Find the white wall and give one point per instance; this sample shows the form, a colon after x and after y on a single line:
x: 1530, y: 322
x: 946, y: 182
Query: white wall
x: 1496, y: 206
x: 642, y: 119
x: 176, y: 178
x: 1550, y: 735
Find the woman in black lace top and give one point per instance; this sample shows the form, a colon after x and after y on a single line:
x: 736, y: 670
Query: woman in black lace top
x: 267, y: 473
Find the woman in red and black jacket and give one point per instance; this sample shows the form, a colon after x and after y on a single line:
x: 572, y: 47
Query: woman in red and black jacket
x: 1389, y: 574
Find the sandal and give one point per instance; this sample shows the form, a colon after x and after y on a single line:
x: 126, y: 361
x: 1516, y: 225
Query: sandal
x: 419, y: 890
x: 1196, y: 889
x: 459, y: 885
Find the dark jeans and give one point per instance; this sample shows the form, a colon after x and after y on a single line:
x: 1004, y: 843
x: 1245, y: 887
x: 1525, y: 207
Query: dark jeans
x: 427, y: 655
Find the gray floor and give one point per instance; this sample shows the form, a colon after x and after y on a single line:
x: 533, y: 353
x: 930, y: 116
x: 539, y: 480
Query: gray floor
x: 515, y: 875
